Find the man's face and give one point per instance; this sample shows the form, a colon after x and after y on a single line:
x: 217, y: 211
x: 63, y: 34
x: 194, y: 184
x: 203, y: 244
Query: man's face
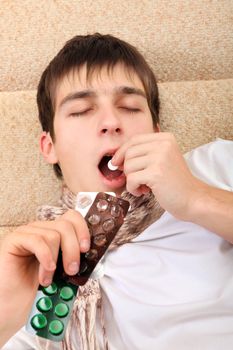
x: 92, y: 120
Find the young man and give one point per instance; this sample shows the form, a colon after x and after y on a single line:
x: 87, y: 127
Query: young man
x: 171, y: 287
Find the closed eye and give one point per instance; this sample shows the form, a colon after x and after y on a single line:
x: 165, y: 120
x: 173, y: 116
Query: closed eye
x: 80, y: 114
x: 131, y: 110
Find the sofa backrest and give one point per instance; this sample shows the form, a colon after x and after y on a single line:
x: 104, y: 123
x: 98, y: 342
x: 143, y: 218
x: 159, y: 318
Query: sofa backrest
x: 189, y: 45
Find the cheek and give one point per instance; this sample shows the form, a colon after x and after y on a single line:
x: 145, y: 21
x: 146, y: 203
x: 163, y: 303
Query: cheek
x: 142, y: 126
x: 73, y: 148
x: 65, y: 136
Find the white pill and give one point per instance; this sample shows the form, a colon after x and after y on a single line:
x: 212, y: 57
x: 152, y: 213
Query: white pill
x: 112, y: 167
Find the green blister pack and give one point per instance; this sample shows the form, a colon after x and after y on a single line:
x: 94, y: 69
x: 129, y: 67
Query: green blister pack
x: 52, y: 307
x: 51, y: 310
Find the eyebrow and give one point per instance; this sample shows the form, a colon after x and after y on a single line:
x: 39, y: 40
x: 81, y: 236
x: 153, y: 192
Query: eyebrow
x: 127, y: 90
x: 121, y: 90
x: 78, y: 95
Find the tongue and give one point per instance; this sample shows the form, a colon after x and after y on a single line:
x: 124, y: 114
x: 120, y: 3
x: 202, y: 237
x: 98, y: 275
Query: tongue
x: 109, y: 174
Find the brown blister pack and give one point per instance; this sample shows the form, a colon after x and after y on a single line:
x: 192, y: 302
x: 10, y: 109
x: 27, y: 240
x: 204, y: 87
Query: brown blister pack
x: 104, y: 219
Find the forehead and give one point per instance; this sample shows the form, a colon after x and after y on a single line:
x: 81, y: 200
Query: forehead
x: 103, y: 80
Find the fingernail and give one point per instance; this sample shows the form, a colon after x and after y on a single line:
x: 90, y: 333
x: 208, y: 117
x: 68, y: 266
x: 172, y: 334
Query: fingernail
x: 73, y: 267
x: 47, y: 281
x: 113, y: 159
x: 84, y: 245
x: 52, y: 266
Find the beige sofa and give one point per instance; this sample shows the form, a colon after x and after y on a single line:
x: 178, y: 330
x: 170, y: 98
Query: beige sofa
x: 188, y: 43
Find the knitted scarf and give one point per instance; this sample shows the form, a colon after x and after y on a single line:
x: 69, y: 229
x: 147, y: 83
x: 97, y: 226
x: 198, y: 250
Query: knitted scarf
x: 87, y: 309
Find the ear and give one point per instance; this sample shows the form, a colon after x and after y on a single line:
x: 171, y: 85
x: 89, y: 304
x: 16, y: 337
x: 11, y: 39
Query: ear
x: 157, y: 128
x: 47, y: 148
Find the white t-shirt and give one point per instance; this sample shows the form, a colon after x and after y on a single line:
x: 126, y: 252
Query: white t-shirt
x: 172, y: 286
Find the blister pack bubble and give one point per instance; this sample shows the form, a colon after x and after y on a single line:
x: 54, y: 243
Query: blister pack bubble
x: 52, y: 307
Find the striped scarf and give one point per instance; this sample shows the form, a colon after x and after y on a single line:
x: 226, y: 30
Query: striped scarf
x: 81, y: 333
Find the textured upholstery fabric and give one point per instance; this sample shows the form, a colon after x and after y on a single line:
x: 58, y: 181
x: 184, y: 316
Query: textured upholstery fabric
x: 182, y: 40
x: 189, y: 44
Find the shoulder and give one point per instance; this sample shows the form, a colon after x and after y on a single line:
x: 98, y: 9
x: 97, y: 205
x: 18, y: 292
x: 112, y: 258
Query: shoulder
x: 213, y: 163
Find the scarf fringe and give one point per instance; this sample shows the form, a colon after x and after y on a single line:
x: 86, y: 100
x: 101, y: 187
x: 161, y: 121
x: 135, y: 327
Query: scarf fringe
x: 87, y: 308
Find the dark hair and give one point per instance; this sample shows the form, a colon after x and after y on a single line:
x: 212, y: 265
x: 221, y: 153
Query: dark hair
x: 96, y: 51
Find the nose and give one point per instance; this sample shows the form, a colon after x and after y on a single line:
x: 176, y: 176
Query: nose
x: 110, y: 130
x: 110, y: 123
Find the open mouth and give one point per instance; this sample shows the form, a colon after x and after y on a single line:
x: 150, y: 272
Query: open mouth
x: 105, y: 171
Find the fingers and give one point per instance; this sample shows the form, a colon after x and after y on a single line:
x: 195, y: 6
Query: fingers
x: 45, y: 231
x: 145, y: 158
x: 133, y: 157
x: 25, y: 245
x: 80, y: 227
x: 136, y: 183
x: 70, y: 232
x: 75, y: 238
x: 136, y: 164
x: 133, y: 148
